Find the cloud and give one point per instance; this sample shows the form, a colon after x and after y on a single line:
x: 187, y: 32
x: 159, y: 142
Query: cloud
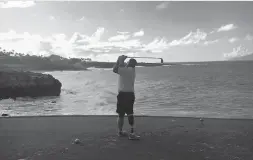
x: 139, y: 34
x: 17, y: 4
x: 113, y: 48
x: 11, y: 35
x: 190, y: 38
x: 211, y: 42
x: 38, y: 45
x: 95, y: 38
x: 129, y: 45
x: 162, y: 6
x: 233, y: 40
x: 227, y: 27
x: 51, y: 18
x: 23, y: 42
x: 118, y: 38
x: 46, y: 46
x: 79, y: 45
x: 156, y: 46
x: 249, y: 37
x: 237, y: 52
x: 82, y: 19
x: 122, y: 32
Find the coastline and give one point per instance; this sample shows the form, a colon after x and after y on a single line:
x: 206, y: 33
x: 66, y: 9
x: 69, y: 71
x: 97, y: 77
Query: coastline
x: 115, y: 116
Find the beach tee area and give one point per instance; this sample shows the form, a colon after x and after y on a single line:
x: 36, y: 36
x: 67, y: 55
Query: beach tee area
x: 162, y: 138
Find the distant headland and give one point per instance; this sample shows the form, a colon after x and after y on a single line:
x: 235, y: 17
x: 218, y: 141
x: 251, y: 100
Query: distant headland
x: 19, y: 61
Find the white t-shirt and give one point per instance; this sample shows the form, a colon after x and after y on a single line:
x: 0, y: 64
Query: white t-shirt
x: 126, y: 79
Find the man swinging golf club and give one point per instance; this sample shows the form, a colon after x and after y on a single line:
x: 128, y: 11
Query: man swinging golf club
x: 126, y: 96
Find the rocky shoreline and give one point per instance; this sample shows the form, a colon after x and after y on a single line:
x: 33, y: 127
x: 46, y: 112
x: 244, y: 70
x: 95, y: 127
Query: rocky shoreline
x: 15, y: 84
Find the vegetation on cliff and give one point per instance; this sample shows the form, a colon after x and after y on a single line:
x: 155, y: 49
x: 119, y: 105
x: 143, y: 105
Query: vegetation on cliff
x: 14, y: 60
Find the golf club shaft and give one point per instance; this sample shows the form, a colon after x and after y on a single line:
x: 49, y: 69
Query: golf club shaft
x: 145, y: 57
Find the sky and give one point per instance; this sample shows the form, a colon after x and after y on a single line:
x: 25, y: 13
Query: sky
x: 175, y: 31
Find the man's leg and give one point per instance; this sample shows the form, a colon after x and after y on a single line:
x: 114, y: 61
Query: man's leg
x: 120, y: 122
x: 130, y: 99
x: 131, y: 122
x: 130, y: 115
x: 121, y: 113
x: 132, y: 135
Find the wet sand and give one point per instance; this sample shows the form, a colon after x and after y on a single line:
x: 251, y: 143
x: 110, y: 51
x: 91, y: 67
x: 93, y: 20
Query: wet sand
x: 162, y: 138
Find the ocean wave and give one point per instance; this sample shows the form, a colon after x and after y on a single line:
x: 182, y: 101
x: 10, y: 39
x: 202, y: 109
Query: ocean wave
x: 89, y: 82
x: 99, y: 69
x: 93, y: 68
x: 107, y: 69
x: 68, y: 91
x: 196, y: 64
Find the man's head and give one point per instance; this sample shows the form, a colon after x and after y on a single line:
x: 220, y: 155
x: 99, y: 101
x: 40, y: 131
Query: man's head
x: 132, y: 63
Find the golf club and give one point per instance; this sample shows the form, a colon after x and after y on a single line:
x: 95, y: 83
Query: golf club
x: 148, y: 57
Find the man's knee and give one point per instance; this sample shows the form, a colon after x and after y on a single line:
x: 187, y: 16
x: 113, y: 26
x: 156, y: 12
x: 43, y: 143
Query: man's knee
x: 121, y: 115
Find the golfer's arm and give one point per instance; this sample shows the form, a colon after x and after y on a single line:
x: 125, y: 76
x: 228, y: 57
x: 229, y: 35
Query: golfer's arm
x: 117, y: 66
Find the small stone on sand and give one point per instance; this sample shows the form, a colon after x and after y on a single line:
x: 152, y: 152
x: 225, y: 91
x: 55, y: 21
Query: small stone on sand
x: 77, y: 141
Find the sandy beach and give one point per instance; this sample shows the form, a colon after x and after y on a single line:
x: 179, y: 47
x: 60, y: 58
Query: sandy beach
x: 162, y: 138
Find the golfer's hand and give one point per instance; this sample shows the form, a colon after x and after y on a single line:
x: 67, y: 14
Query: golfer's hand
x: 121, y: 59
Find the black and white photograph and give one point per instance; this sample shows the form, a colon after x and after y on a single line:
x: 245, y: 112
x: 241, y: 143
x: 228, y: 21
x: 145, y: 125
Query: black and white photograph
x: 126, y: 80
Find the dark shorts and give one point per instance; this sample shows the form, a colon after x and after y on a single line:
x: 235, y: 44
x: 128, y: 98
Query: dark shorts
x: 125, y: 103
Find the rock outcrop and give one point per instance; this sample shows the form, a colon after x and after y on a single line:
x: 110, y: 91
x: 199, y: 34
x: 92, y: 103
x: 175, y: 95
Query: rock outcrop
x: 15, y: 84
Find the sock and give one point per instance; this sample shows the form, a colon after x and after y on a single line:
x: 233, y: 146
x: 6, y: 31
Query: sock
x: 132, y: 130
x: 131, y: 122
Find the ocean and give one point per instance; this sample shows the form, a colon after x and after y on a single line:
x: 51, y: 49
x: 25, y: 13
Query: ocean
x: 206, y: 89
